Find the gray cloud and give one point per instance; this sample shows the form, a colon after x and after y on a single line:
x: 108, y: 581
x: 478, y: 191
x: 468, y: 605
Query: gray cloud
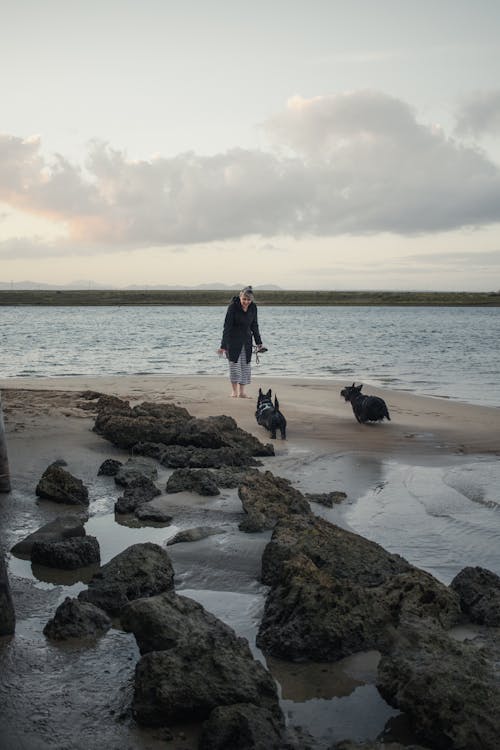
x: 357, y: 163
x: 479, y: 114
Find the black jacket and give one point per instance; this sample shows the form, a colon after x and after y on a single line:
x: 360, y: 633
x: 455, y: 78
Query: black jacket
x: 239, y: 326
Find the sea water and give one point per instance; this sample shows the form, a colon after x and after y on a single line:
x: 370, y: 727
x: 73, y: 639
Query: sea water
x: 451, y: 352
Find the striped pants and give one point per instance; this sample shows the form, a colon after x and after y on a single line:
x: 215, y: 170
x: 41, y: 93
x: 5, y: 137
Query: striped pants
x: 240, y: 371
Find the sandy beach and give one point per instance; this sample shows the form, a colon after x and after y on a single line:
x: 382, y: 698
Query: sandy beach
x: 46, y: 419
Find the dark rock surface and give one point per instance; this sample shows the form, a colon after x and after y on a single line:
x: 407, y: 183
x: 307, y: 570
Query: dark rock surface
x: 242, y: 726
x: 195, y: 534
x: 140, y: 570
x: 181, y: 456
x: 60, y: 486
x: 62, y: 527
x: 328, y: 499
x: 147, y: 512
x: 134, y: 470
x: 267, y: 498
x: 140, y: 490
x: 7, y: 613
x: 109, y: 467
x: 192, y: 663
x: 200, y: 481
x: 67, y: 554
x: 448, y: 689
x: 334, y: 593
x: 376, y: 745
x: 76, y: 619
x: 479, y: 592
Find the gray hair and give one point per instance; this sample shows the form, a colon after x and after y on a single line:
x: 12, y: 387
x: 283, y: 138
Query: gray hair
x: 247, y: 291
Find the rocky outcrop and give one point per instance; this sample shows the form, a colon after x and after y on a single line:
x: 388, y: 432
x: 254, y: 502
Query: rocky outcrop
x: 328, y: 499
x: 200, y: 481
x: 448, y: 689
x: 77, y: 619
x: 242, y: 726
x: 7, y: 613
x: 62, y: 527
x: 134, y: 470
x: 181, y: 457
x: 109, y: 467
x: 168, y: 424
x: 266, y: 499
x: 377, y: 745
x: 147, y: 512
x: 192, y: 663
x: 334, y: 593
x: 139, y: 571
x: 67, y: 554
x: 60, y: 486
x: 479, y: 592
x: 140, y: 490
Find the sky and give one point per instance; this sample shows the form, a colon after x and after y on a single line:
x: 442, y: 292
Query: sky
x: 310, y: 144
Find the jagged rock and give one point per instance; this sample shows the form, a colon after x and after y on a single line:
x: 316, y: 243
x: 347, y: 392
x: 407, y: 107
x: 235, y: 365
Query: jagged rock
x: 60, y: 486
x: 146, y: 512
x: 62, y: 527
x: 192, y: 480
x: 243, y: 726
x: 334, y: 593
x: 192, y: 663
x: 376, y: 745
x: 479, y: 592
x: 328, y: 499
x: 195, y: 534
x: 109, y: 467
x: 140, y: 490
x: 229, y: 477
x: 135, y: 469
x: 76, y: 619
x: 140, y: 570
x: 266, y: 499
x: 447, y: 689
x: 68, y: 554
x: 7, y: 613
x: 180, y: 456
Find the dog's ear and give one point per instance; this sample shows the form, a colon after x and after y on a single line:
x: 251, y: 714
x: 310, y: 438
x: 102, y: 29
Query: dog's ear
x: 260, y: 391
x: 268, y: 394
x: 360, y: 387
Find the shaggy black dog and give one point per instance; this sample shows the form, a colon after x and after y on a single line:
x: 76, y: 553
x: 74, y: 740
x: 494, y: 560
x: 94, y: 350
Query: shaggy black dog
x: 365, y: 408
x: 268, y: 415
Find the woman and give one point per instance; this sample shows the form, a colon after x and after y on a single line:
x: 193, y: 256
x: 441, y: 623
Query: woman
x: 240, y: 325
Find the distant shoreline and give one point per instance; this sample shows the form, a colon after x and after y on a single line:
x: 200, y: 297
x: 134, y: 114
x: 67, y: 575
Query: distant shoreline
x: 191, y: 297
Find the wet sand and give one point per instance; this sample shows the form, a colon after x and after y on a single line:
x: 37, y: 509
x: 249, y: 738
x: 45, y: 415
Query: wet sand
x: 73, y: 695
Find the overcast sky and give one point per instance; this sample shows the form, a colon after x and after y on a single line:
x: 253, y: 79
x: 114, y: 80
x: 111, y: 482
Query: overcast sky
x: 329, y: 144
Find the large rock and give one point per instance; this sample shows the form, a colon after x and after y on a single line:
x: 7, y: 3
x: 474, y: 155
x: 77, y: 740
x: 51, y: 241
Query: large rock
x: 334, y: 593
x: 195, y: 534
x: 448, y: 689
x: 376, y: 745
x: 76, y: 619
x: 479, y: 592
x: 200, y: 481
x: 267, y: 498
x: 242, y: 726
x: 181, y: 456
x: 139, y: 571
x: 67, y: 554
x: 134, y: 470
x: 7, y: 613
x: 60, y: 486
x: 62, y: 527
x: 140, y: 490
x: 192, y: 663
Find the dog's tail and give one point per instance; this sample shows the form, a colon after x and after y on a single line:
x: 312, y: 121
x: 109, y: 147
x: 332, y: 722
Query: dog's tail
x: 276, y: 403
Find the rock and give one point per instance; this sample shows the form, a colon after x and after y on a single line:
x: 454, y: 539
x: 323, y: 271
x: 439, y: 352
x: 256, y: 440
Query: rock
x: 376, y: 745
x: 334, y: 593
x: 479, y: 592
x: 135, y: 469
x: 447, y: 689
x: 7, y: 613
x: 62, y: 527
x: 229, y: 477
x: 243, y: 726
x: 146, y: 512
x: 76, y: 619
x: 180, y: 456
x: 139, y: 571
x: 266, y: 499
x: 141, y: 490
x: 60, y: 486
x: 328, y: 499
x: 192, y: 663
x: 109, y: 467
x: 68, y: 554
x: 195, y: 534
x: 192, y: 480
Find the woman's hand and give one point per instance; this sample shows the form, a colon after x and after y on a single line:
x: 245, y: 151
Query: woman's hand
x: 221, y: 352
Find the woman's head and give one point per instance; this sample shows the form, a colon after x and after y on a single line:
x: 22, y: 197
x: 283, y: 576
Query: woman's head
x: 246, y: 297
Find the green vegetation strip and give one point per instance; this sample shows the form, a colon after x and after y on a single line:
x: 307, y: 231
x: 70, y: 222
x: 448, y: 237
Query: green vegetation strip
x: 116, y: 297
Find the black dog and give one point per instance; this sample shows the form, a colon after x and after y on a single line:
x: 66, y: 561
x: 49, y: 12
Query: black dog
x: 268, y: 415
x: 365, y: 408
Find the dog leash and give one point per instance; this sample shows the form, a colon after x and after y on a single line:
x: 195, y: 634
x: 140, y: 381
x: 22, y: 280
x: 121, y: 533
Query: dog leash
x: 256, y: 351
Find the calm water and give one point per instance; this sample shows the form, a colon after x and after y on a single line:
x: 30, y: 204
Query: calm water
x: 450, y: 352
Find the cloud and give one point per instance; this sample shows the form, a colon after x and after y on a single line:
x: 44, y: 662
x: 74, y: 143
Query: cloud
x: 479, y: 114
x: 354, y: 163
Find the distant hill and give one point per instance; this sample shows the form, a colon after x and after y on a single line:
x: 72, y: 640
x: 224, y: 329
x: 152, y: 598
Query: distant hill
x: 84, y: 285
